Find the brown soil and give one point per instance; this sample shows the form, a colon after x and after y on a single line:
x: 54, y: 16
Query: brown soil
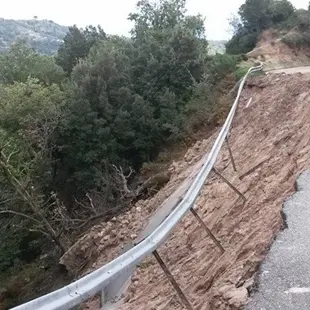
x: 270, y: 141
x: 274, y: 53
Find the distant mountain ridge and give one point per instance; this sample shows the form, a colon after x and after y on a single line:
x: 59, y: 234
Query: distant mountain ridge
x: 44, y: 36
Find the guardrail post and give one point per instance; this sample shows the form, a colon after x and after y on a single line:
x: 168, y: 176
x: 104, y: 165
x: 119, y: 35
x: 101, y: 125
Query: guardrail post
x: 209, y: 232
x: 103, y: 298
x: 231, y: 155
x: 173, y: 281
x: 229, y: 184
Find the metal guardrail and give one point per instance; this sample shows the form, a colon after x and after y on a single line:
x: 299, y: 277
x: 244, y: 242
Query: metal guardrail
x: 95, y: 282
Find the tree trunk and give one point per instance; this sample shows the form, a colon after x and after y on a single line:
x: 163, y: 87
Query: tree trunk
x: 24, y: 194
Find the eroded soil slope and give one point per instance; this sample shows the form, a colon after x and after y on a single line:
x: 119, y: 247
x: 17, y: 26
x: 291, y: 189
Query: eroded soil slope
x: 274, y: 53
x: 270, y: 141
x: 275, y: 131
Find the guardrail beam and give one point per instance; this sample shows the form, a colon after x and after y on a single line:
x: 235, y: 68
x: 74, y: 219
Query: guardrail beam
x: 173, y: 281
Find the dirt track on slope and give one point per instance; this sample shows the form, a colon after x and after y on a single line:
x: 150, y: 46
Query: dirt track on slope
x: 270, y: 141
x: 303, y: 70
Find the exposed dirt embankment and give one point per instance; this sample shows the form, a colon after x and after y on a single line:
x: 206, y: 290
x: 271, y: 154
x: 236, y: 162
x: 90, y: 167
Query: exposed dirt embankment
x: 270, y: 140
x: 273, y: 131
x: 275, y: 53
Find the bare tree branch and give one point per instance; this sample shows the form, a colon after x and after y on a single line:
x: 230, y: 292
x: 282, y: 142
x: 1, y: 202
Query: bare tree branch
x: 91, y: 219
x: 26, y: 196
x: 83, y: 205
x: 21, y: 214
x: 9, y: 157
x: 91, y: 203
x: 130, y: 173
x: 123, y: 180
x: 40, y: 231
x: 3, y: 202
x: 4, y: 146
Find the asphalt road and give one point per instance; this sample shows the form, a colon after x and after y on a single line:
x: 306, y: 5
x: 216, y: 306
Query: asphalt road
x: 284, y: 280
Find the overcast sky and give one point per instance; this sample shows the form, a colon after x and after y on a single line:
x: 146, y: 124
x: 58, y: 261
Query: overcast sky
x: 112, y: 14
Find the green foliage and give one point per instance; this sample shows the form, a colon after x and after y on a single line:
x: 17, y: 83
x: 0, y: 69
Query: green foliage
x: 241, y: 71
x: 242, y: 42
x: 280, y: 11
x: 107, y: 121
x: 76, y: 45
x: 301, y: 35
x: 256, y: 16
x: 221, y: 65
x: 30, y: 112
x: 297, y: 40
x: 129, y: 96
x: 18, y: 245
x: 21, y: 62
x: 105, y: 101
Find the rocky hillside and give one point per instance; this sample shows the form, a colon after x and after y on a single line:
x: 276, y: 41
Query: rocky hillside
x: 44, y: 36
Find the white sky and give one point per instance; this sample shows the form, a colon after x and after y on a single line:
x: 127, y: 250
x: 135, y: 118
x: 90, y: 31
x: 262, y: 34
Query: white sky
x: 112, y: 14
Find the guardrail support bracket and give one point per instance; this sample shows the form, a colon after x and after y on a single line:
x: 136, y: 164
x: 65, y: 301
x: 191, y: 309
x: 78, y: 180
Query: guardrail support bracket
x: 209, y: 232
x: 229, y: 184
x: 173, y: 281
x: 231, y: 155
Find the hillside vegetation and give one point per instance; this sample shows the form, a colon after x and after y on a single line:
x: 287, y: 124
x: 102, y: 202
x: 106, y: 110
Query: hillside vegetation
x: 76, y: 130
x: 44, y: 36
x: 82, y: 133
x: 255, y: 16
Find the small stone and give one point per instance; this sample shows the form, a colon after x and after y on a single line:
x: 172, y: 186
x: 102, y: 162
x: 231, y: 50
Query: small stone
x: 134, y: 279
x: 237, y: 297
x: 133, y: 236
x: 138, y: 209
x: 225, y: 289
x: 106, y: 238
x: 248, y: 283
x: 187, y: 224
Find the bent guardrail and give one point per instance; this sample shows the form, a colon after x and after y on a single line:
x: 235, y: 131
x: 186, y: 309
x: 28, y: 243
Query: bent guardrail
x: 95, y: 282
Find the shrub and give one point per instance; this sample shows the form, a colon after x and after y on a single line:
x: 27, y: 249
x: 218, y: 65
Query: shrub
x: 297, y: 40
